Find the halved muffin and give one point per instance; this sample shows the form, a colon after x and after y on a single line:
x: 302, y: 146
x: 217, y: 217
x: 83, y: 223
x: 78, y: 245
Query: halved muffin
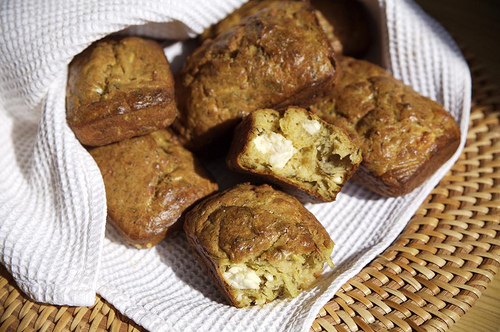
x: 258, y: 244
x: 297, y: 150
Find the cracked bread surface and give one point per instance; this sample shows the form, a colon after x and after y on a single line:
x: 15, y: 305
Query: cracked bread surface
x: 252, y: 7
x: 277, y: 57
x: 119, y: 88
x: 404, y: 136
x: 257, y: 243
x: 295, y: 149
x: 150, y: 181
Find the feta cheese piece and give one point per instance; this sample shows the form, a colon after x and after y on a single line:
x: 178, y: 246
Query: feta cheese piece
x: 242, y: 277
x: 275, y: 148
x: 311, y: 126
x: 337, y: 179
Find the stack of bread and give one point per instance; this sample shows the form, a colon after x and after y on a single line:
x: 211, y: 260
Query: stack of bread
x: 283, y: 82
x: 120, y: 101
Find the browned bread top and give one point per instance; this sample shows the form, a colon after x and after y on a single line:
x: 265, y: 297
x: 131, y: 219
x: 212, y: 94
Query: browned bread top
x: 252, y: 7
x: 236, y: 17
x: 404, y: 136
x: 247, y: 221
x: 150, y: 182
x: 278, y: 57
x: 118, y: 89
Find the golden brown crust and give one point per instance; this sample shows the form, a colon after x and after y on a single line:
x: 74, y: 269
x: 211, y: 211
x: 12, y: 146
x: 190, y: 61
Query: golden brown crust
x: 251, y: 8
x: 275, y: 58
x: 404, y: 137
x: 250, y: 225
x: 321, y: 163
x: 236, y: 17
x: 119, y: 89
x: 150, y: 181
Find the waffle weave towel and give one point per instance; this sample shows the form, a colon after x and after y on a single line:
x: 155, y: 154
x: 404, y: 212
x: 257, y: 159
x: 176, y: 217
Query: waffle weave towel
x: 53, y: 237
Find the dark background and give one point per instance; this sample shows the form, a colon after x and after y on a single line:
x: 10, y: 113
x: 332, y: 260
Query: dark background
x: 474, y: 24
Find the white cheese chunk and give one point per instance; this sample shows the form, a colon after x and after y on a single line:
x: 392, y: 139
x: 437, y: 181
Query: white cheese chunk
x: 337, y: 179
x: 311, y: 126
x: 275, y: 148
x: 241, y: 277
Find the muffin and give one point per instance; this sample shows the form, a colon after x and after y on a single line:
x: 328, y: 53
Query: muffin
x: 277, y: 57
x: 404, y: 136
x: 295, y: 149
x: 150, y: 181
x: 252, y: 7
x: 257, y: 244
x: 119, y: 89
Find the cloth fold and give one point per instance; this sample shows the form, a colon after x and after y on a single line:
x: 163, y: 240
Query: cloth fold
x: 53, y: 238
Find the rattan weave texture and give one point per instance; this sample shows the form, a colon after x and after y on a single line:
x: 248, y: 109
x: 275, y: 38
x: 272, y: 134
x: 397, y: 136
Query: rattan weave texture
x: 425, y: 281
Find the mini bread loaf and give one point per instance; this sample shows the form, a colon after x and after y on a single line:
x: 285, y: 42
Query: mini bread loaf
x: 252, y: 7
x: 119, y: 89
x: 307, y: 156
x: 404, y: 136
x: 257, y: 244
x: 150, y: 182
x: 278, y: 57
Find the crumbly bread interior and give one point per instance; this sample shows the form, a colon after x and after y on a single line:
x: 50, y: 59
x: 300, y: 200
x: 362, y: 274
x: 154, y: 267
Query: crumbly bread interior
x: 258, y: 243
x: 259, y: 281
x: 299, y: 146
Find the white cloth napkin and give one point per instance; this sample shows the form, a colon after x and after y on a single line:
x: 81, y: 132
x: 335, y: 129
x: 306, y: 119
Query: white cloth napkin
x: 52, y: 202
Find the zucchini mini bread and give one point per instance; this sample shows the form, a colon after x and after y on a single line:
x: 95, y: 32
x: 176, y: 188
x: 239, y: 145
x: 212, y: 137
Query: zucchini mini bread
x: 150, y: 182
x: 345, y: 23
x: 257, y: 243
x: 277, y: 57
x: 254, y: 6
x: 119, y: 89
x: 404, y: 136
x: 296, y: 150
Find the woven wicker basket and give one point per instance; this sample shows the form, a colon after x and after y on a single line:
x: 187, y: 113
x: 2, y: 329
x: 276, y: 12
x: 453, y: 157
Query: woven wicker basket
x: 431, y: 275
